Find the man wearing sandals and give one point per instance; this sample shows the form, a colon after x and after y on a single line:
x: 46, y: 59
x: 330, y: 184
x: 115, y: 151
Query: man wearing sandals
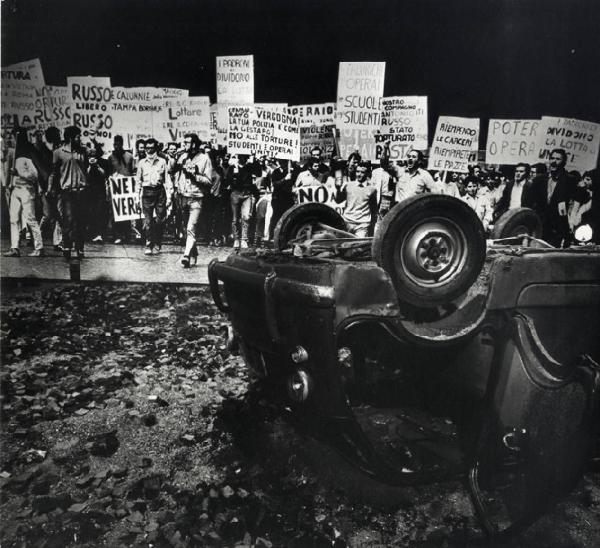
x: 193, y: 173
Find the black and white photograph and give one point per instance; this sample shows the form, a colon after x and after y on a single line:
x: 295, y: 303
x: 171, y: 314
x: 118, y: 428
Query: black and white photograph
x: 311, y: 273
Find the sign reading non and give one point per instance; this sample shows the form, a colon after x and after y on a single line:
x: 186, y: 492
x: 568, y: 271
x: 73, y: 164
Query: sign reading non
x: 317, y: 128
x: 256, y: 130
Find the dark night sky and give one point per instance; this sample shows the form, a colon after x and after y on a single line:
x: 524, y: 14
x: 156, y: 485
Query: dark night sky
x: 505, y: 59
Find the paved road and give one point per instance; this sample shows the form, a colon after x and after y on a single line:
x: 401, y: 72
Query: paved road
x: 116, y: 263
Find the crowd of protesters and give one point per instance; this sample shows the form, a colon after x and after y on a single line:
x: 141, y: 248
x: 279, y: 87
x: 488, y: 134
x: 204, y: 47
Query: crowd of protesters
x: 57, y: 187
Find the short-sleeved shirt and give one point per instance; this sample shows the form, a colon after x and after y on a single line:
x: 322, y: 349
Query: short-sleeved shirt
x: 359, y: 199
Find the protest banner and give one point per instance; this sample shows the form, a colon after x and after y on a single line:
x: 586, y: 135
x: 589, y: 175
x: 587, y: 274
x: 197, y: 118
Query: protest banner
x: 25, y: 72
x: 319, y: 193
x: 20, y: 82
x: 235, y: 79
x: 124, y: 197
x: 257, y: 130
x: 172, y: 93
x: 133, y: 109
x: 455, y: 144
x: 52, y: 108
x: 510, y: 142
x: 358, y: 116
x: 403, y: 124
x: 317, y: 128
x: 176, y: 117
x: 91, y: 108
x: 578, y: 138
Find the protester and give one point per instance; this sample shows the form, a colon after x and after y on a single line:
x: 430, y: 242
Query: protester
x: 581, y: 210
x: 69, y: 178
x: 517, y: 193
x: 217, y: 202
x: 120, y: 162
x: 383, y: 178
x: 23, y: 189
x: 361, y: 201
x: 152, y: 179
x: 50, y: 213
x: 193, y: 172
x: 244, y: 194
x: 283, y: 196
x: 550, y: 199
x: 479, y: 204
x: 414, y: 180
x: 97, y: 195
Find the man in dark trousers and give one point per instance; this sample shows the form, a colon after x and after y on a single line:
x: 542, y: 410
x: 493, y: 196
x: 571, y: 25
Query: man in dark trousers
x: 517, y: 193
x: 550, y: 199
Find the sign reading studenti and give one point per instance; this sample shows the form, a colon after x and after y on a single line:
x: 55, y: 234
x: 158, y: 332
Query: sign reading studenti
x: 235, y: 79
x: 91, y: 108
x: 455, y: 144
x: 510, y: 142
x: 124, y: 198
x: 403, y: 124
x: 578, y: 138
x: 256, y: 130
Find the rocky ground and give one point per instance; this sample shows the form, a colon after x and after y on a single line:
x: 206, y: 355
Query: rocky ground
x: 126, y: 422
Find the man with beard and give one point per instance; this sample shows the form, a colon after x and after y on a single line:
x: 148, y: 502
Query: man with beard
x: 414, y: 179
x: 550, y: 198
x: 193, y: 172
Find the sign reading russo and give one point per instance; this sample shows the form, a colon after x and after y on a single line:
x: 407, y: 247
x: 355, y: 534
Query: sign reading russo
x: 124, y: 198
x: 578, y: 138
x: 257, y: 130
x: 403, y: 124
x: 91, y: 107
x: 455, y: 144
x: 512, y: 141
x: 235, y: 79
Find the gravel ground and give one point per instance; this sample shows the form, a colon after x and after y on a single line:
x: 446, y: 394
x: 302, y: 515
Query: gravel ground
x: 126, y: 422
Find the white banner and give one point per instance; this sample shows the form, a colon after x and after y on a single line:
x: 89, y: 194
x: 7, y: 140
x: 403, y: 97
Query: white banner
x: 577, y: 137
x: 256, y: 130
x: 176, y: 117
x: 235, y: 79
x: 510, y: 142
x: 133, y: 112
x: 52, y: 107
x: 403, y: 124
x: 320, y: 193
x: 455, y: 144
x: 124, y: 197
x: 91, y: 108
x: 317, y: 128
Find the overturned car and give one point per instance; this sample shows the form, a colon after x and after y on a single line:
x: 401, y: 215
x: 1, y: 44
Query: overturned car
x: 428, y: 352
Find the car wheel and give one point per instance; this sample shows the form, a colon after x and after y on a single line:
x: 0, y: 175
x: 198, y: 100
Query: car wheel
x: 302, y: 220
x: 432, y: 246
x: 517, y: 222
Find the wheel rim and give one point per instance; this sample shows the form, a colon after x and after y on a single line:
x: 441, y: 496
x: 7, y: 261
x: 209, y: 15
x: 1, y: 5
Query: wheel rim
x: 433, y: 252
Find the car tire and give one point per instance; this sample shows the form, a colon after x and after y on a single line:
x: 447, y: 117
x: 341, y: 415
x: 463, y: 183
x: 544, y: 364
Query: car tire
x: 301, y: 218
x: 515, y: 222
x: 432, y: 246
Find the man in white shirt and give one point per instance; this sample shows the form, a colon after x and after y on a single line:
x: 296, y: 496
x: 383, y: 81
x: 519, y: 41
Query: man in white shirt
x: 516, y: 192
x: 361, y: 201
x: 415, y: 180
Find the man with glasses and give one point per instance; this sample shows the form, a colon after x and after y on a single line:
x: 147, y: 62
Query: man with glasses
x: 152, y: 179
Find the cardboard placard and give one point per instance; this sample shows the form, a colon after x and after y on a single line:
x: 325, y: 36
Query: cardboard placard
x: 510, y: 142
x: 124, y: 198
x: 235, y: 79
x: 455, y: 144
